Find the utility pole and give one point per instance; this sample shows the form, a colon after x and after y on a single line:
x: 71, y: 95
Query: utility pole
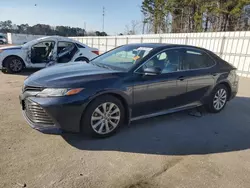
x: 103, y: 15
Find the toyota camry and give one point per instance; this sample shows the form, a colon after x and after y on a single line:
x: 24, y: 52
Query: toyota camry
x: 130, y: 82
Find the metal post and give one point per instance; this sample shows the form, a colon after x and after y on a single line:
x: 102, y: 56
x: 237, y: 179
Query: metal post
x: 160, y: 39
x: 222, y: 45
x: 92, y: 42
x: 141, y: 39
x: 115, y: 41
x: 127, y: 40
x: 106, y: 44
x: 186, y: 40
x: 99, y: 43
x: 248, y: 71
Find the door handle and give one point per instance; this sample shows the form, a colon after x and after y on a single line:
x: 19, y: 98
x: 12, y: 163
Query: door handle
x: 181, y: 78
x: 214, y: 74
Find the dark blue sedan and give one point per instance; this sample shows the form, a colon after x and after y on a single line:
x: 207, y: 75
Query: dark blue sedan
x: 128, y: 83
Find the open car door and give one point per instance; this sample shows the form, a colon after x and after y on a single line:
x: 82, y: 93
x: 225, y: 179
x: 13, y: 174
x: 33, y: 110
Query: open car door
x: 43, y: 53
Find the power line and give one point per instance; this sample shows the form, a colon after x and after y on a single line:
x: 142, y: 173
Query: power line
x: 103, y: 15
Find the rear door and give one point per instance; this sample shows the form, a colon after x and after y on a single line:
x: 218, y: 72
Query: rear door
x: 66, y: 51
x: 198, y: 67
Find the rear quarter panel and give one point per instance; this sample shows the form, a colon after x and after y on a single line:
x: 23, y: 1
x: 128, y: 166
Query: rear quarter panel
x: 84, y: 52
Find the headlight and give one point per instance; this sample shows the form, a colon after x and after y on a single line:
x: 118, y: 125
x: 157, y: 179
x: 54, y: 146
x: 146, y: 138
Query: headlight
x: 57, y: 92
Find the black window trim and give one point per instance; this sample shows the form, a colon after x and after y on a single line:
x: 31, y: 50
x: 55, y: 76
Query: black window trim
x: 183, y: 47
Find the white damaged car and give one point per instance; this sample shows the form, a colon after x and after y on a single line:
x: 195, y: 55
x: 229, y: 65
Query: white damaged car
x: 43, y: 52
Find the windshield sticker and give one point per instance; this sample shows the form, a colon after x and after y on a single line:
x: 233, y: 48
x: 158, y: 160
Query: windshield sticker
x: 136, y: 57
x: 144, y: 48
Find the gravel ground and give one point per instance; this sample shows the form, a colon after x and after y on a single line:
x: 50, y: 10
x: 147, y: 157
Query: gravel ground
x: 171, y: 151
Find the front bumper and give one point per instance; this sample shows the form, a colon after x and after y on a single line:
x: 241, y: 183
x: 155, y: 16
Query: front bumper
x: 52, y: 115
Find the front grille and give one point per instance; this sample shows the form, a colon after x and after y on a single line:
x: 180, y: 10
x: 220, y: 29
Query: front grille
x: 31, y: 88
x: 36, y: 114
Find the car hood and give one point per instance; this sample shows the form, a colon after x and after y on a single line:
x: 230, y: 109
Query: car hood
x: 69, y: 75
x: 11, y: 48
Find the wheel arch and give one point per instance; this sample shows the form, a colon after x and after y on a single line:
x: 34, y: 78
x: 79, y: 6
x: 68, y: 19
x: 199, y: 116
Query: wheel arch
x: 117, y: 94
x: 81, y: 57
x: 9, y: 56
x: 227, y: 85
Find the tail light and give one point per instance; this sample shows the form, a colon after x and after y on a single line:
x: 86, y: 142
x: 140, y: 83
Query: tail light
x: 95, y: 52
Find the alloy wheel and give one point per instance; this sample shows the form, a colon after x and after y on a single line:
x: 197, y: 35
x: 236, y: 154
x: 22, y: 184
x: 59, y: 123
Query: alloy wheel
x: 105, y: 118
x: 16, y: 65
x: 220, y: 99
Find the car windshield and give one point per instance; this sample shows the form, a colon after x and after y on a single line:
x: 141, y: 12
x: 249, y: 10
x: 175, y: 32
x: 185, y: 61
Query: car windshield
x: 123, y: 57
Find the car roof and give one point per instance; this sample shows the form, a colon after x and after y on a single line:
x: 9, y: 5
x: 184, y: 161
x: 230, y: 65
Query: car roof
x: 58, y: 38
x: 166, y: 45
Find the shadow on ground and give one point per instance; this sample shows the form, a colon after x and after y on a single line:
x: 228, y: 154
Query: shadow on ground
x: 25, y: 72
x: 179, y: 133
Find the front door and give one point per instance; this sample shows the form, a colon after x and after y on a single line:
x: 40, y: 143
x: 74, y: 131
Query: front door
x: 156, y: 93
x: 42, y: 53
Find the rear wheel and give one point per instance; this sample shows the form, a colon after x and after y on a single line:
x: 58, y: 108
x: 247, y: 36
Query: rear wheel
x: 218, y: 99
x: 83, y: 59
x: 1, y: 42
x: 103, y: 117
x: 14, y: 65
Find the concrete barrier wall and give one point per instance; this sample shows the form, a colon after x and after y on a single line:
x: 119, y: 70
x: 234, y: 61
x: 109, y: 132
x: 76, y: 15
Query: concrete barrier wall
x: 233, y: 47
x: 17, y: 39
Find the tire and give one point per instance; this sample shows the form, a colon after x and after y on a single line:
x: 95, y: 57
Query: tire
x: 1, y: 42
x: 84, y: 59
x: 14, y: 65
x: 220, y: 93
x: 95, y: 125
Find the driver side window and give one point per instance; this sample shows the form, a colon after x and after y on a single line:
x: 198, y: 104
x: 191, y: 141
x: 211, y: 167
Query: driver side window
x: 167, y: 61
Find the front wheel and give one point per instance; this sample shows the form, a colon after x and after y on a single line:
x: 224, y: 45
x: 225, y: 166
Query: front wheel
x: 14, y: 65
x: 218, y: 99
x: 103, y: 117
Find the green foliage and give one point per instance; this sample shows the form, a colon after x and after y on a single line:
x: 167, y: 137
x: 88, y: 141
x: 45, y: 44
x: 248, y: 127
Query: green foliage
x: 40, y: 29
x: 192, y: 15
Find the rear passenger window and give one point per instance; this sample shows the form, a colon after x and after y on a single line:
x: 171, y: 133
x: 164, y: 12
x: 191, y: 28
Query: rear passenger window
x: 195, y: 59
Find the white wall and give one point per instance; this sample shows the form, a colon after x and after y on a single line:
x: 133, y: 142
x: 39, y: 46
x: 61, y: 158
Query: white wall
x: 17, y: 39
x: 233, y: 47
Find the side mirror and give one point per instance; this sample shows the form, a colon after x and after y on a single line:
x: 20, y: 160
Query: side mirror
x: 152, y: 71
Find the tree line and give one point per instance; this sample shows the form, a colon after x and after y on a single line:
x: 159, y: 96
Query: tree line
x: 162, y: 16
x: 43, y: 29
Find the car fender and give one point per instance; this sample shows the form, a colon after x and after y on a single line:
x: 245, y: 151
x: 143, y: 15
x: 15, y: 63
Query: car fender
x: 15, y: 52
x: 125, y: 95
x: 223, y: 78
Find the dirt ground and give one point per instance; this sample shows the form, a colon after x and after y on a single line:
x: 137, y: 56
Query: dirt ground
x: 171, y: 151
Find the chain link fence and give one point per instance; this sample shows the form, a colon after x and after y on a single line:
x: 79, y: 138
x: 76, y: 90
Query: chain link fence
x: 230, y: 46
